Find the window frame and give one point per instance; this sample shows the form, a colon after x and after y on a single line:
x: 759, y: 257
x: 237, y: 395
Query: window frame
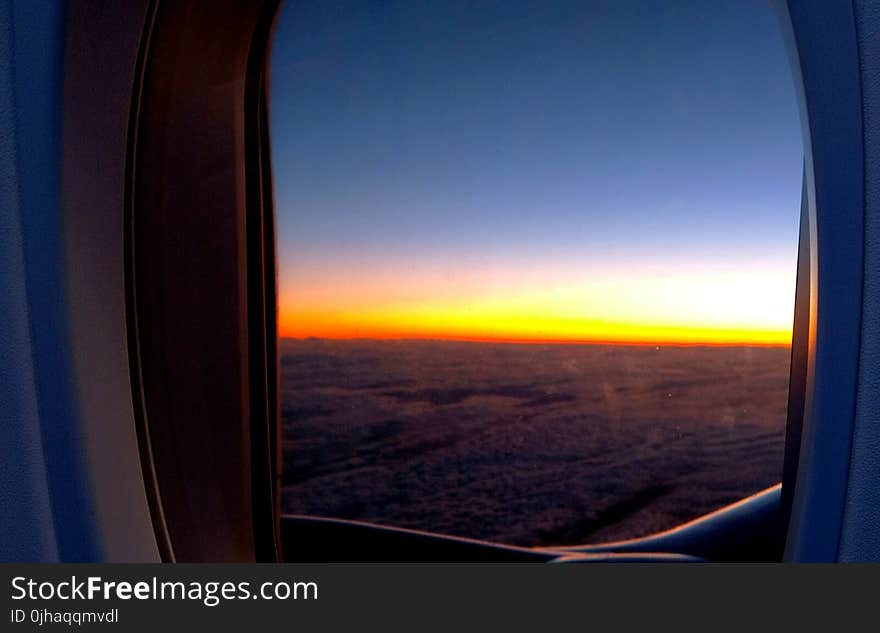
x: 199, y: 241
x: 243, y: 523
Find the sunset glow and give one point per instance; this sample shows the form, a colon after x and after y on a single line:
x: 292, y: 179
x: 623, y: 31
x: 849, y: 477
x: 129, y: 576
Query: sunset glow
x: 706, y: 307
x: 582, y: 171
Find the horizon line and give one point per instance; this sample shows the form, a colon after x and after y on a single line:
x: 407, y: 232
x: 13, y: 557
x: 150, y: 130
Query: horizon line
x: 537, y: 341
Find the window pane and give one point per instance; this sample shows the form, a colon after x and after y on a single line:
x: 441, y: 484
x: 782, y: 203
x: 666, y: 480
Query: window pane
x: 536, y: 262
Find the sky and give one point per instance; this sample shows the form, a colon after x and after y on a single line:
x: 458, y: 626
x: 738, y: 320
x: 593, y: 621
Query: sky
x: 535, y: 171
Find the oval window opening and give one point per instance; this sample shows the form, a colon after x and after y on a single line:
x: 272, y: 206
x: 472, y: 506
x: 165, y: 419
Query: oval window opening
x: 536, y: 262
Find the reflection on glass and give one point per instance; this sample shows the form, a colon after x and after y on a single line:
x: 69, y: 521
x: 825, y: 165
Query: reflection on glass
x: 536, y: 262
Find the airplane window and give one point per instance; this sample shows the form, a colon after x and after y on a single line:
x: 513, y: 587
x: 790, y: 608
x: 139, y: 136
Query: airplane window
x: 536, y: 262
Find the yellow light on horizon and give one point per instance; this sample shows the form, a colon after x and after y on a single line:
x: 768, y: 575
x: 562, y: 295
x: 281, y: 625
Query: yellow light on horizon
x: 745, y: 306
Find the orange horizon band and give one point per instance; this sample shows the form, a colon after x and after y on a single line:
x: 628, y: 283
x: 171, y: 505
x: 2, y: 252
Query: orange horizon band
x: 548, y: 341
x: 625, y: 335
x: 702, y: 307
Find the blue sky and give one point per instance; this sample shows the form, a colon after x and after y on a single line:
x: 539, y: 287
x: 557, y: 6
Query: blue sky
x: 550, y: 136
